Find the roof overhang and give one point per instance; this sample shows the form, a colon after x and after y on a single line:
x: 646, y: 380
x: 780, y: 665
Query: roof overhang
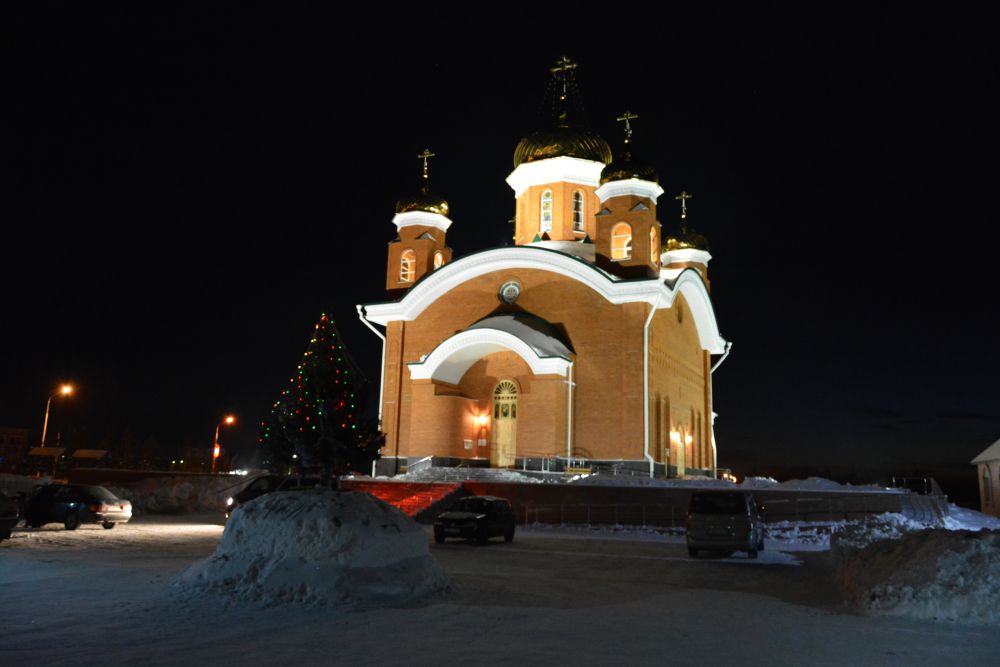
x: 450, y: 360
x: 421, y: 219
x: 660, y: 293
x: 629, y: 186
x: 555, y: 170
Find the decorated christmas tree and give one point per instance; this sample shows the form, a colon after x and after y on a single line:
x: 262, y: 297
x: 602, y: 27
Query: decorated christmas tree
x: 316, y: 423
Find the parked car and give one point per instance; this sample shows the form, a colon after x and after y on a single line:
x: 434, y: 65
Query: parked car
x: 269, y: 484
x: 10, y: 514
x: 725, y: 521
x: 478, y: 518
x: 75, y: 504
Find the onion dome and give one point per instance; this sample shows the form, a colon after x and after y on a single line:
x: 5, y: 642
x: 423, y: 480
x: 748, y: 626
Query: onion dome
x: 423, y: 200
x: 560, y: 141
x: 686, y: 239
x: 626, y: 168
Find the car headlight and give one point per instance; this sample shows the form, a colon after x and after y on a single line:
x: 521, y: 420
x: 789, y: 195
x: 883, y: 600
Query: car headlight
x: 229, y: 502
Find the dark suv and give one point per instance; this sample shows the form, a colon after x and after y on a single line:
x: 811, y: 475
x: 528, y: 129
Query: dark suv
x: 269, y: 484
x: 725, y: 521
x: 478, y: 518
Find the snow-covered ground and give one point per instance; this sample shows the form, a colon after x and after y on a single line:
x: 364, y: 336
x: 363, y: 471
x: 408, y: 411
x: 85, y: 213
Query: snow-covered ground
x: 552, y: 596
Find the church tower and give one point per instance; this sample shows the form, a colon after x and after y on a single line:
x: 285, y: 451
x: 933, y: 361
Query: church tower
x: 687, y: 249
x: 628, y: 235
x: 419, y: 248
x: 557, y: 170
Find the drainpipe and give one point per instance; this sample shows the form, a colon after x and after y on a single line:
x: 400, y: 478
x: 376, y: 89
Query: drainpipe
x: 711, y: 397
x: 645, y: 386
x: 381, y: 378
x: 569, y: 416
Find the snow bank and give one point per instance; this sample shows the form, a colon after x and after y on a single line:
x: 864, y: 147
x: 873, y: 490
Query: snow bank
x: 929, y: 574
x: 627, y: 480
x: 319, y: 547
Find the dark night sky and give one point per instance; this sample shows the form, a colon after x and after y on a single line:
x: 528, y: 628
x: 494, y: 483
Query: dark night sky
x: 192, y: 187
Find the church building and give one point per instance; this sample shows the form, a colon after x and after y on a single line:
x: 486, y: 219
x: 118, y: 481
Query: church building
x: 590, y: 341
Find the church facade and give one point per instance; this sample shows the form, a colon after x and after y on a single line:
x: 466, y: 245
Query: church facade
x: 591, y: 340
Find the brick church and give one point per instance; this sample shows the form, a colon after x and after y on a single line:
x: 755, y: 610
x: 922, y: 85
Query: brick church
x: 589, y: 341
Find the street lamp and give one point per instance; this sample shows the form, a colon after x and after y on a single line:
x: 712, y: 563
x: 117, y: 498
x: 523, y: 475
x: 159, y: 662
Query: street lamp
x: 64, y: 390
x: 228, y: 420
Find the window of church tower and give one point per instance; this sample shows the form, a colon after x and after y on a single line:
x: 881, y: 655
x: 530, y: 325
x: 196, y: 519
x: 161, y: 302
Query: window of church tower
x: 577, y: 211
x: 438, y: 260
x: 654, y: 255
x: 407, y: 266
x: 621, y: 241
x: 547, y: 211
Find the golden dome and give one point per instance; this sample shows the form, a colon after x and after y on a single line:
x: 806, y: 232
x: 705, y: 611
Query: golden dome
x: 688, y: 238
x: 626, y: 169
x: 562, y: 141
x: 423, y: 200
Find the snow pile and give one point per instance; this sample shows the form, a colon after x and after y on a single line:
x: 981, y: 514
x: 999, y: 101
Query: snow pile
x: 318, y: 547
x: 627, y: 480
x: 849, y: 536
x: 929, y: 574
x: 759, y: 483
x: 454, y: 475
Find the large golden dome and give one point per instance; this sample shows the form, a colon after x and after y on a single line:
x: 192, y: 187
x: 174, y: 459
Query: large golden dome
x: 562, y: 141
x: 687, y: 238
x: 423, y: 200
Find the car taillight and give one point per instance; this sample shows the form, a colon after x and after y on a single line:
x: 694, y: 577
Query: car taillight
x: 94, y: 508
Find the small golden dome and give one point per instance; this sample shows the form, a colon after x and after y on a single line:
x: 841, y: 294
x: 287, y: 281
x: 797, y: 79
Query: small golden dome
x: 687, y: 239
x: 423, y: 200
x: 562, y: 141
x: 626, y: 169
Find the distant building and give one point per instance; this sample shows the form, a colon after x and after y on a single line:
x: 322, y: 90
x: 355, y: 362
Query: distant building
x: 989, y: 479
x: 13, y: 446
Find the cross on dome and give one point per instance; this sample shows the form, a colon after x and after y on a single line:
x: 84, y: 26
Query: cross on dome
x: 626, y: 117
x: 683, y: 197
x: 426, y: 155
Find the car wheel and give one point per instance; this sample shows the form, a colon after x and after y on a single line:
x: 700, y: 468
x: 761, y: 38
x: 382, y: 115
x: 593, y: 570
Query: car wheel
x: 108, y: 525
x: 72, y: 521
x: 751, y: 553
x: 439, y: 537
x: 483, y: 535
x: 509, y: 535
x: 692, y: 552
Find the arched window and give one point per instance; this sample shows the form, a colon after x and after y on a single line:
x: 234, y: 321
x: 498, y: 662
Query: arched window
x: 407, y: 266
x: 577, y: 211
x: 621, y: 241
x: 654, y: 250
x: 438, y: 259
x: 547, y: 211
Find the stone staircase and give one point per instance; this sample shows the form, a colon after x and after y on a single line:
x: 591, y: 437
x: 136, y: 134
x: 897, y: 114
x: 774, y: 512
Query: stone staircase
x: 416, y: 499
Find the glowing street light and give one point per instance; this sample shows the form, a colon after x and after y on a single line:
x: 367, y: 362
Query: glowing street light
x: 64, y: 390
x: 228, y: 420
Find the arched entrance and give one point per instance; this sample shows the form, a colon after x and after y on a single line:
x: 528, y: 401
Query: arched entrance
x: 504, y: 432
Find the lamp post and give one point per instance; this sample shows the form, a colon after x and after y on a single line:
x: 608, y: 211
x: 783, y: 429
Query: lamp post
x: 228, y: 420
x: 64, y: 390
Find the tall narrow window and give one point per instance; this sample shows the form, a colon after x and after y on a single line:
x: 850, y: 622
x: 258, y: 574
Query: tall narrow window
x: 654, y: 250
x: 438, y: 259
x: 407, y: 266
x: 621, y: 241
x: 577, y: 211
x: 547, y: 211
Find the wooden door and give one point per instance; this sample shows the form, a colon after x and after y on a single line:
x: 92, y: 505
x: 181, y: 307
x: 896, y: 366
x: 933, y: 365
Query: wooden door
x: 504, y: 430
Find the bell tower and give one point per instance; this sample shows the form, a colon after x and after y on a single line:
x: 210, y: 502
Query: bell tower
x: 628, y: 235
x: 419, y: 248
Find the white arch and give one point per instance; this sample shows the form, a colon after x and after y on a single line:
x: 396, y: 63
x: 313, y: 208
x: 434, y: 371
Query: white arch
x: 451, y: 359
x: 451, y: 275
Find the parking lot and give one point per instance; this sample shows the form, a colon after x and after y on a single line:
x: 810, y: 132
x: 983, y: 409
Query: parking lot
x: 552, y: 595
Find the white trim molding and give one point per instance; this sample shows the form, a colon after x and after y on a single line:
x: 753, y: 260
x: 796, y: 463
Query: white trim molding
x: 452, y: 358
x: 629, y: 186
x: 685, y: 255
x: 434, y: 285
x: 554, y: 170
x: 421, y: 219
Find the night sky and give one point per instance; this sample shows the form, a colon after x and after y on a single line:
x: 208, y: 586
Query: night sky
x: 191, y: 188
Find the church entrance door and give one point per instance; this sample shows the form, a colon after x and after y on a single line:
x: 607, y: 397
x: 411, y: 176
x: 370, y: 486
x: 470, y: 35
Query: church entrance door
x: 504, y: 425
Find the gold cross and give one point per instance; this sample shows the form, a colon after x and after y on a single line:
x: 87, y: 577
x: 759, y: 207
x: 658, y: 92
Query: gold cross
x: 425, y: 156
x: 626, y: 117
x: 561, y: 72
x: 684, y: 196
